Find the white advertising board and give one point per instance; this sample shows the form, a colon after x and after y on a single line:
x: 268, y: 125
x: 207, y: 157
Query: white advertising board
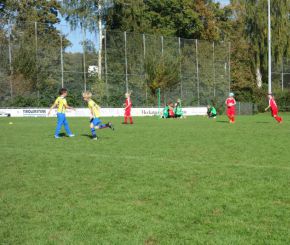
x: 105, y: 112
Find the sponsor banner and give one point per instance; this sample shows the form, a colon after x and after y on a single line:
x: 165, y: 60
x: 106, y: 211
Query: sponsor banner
x: 105, y: 112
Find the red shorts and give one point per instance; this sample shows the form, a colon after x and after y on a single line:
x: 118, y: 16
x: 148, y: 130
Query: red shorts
x: 231, y: 112
x: 274, y: 112
x: 127, y: 113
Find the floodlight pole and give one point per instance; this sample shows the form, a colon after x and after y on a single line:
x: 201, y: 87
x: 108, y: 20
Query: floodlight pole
x: 100, y: 41
x: 269, y: 50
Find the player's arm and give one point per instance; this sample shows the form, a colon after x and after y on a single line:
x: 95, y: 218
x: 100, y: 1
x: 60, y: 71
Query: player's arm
x: 92, y: 113
x: 266, y: 109
x: 52, y: 107
x: 129, y: 105
x: 68, y: 107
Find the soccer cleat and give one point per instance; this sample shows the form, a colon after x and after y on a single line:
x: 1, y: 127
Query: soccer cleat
x: 56, y: 137
x: 71, y: 135
x: 95, y: 138
x: 110, y: 125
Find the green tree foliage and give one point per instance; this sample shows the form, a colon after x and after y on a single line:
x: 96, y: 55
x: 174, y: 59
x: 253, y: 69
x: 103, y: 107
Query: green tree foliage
x: 198, y: 19
x: 256, y: 31
x: 35, y: 43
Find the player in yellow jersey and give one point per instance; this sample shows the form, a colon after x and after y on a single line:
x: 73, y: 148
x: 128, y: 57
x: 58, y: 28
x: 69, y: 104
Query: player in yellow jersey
x: 95, y: 122
x: 61, y: 105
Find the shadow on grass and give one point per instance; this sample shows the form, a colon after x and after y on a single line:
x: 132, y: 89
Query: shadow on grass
x: 222, y: 121
x: 262, y: 122
x: 91, y: 137
x: 87, y: 135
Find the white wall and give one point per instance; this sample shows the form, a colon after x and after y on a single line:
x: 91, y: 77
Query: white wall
x: 105, y: 112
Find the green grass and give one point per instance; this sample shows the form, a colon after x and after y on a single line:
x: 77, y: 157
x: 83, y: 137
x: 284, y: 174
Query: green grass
x: 191, y: 181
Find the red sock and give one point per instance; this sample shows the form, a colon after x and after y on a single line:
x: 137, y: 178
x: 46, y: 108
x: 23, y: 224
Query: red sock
x: 278, y: 119
x: 125, y: 119
x: 131, y: 120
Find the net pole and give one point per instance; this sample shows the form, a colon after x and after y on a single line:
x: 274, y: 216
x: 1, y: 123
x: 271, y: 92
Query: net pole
x: 162, y: 47
x: 213, y: 67
x: 282, y: 75
x: 180, y: 70
x: 159, y: 100
x: 269, y: 50
x: 10, y: 59
x: 126, y: 61
x: 106, y: 66
x: 84, y: 59
x: 61, y: 60
x: 36, y: 59
x: 197, y: 71
x: 229, y: 61
x: 100, y: 40
x: 144, y: 69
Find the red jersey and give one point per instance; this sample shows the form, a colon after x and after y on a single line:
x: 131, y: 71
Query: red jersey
x: 128, y: 104
x: 230, y: 102
x: 272, y: 104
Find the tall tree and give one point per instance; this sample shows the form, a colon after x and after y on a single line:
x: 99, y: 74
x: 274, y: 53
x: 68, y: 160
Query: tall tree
x: 256, y: 30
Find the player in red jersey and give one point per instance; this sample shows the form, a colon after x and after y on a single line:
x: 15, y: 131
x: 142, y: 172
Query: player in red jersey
x: 128, y: 107
x: 274, y: 108
x: 231, y: 110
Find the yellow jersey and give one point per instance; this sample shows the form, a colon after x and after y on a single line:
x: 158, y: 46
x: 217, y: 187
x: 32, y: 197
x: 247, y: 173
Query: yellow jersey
x: 95, y: 109
x: 61, y: 104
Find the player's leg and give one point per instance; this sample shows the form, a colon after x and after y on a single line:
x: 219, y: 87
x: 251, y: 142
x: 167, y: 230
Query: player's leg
x: 229, y: 115
x: 107, y: 125
x: 59, y: 124
x: 99, y: 125
x: 130, y: 117
x: 93, y: 130
x: 66, y: 126
x: 278, y: 119
x: 125, y: 119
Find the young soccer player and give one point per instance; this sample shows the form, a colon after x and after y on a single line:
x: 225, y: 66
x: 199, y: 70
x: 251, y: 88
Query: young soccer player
x: 61, y: 105
x: 171, y: 110
x: 165, y: 113
x: 274, y: 108
x: 178, y: 113
x: 211, y: 112
x: 231, y: 110
x: 128, y: 107
x: 95, y: 122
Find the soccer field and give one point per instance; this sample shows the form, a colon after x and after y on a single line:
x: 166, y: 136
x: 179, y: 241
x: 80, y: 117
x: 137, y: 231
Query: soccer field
x: 190, y: 181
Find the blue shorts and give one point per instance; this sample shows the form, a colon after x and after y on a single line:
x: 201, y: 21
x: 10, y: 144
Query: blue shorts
x: 96, y: 121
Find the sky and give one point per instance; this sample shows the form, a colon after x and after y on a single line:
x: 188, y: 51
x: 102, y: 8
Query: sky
x: 76, y: 37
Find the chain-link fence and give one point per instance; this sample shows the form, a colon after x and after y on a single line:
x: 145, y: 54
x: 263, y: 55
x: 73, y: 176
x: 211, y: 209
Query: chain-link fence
x: 37, y: 59
x: 281, y: 75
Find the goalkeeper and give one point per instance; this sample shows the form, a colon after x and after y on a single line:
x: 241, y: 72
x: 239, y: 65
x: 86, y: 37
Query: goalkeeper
x: 211, y: 112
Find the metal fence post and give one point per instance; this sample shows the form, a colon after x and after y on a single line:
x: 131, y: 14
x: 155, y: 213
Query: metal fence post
x: 10, y: 59
x: 126, y: 62
x: 197, y: 71
x: 84, y: 58
x: 106, y: 66
x: 144, y: 68
x: 229, y: 66
x: 100, y: 40
x: 162, y: 47
x: 180, y: 71
x: 282, y: 75
x: 213, y: 66
x: 61, y: 60
x: 36, y: 58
